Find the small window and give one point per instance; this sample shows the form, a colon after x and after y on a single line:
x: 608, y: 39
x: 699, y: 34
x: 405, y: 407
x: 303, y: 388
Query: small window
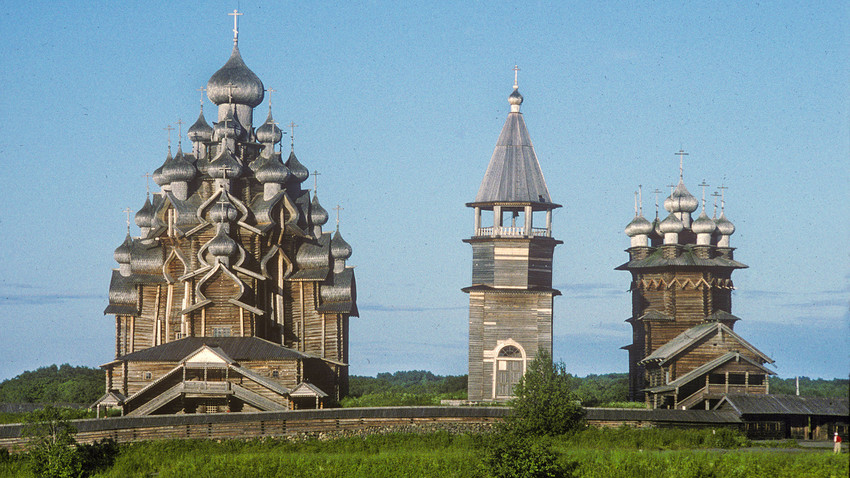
x: 275, y: 374
x: 148, y: 375
x: 510, y: 351
x: 221, y: 332
x: 736, y: 379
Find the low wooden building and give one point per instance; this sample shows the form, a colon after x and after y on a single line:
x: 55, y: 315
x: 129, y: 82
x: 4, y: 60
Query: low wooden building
x: 778, y: 417
x: 232, y: 295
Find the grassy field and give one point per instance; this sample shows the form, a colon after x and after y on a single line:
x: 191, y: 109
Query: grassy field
x: 610, y: 453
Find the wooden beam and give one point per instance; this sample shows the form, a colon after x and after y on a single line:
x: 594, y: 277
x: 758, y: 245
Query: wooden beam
x: 168, y: 304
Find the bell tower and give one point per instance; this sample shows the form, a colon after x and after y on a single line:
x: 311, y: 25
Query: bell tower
x: 511, y: 296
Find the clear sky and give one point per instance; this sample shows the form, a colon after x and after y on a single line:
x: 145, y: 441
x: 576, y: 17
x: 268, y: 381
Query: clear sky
x: 399, y: 105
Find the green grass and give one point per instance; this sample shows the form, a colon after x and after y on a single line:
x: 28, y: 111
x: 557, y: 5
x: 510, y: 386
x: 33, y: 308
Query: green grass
x: 602, y: 453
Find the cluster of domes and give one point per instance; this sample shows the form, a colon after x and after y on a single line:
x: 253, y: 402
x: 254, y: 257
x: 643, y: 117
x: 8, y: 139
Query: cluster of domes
x: 677, y: 227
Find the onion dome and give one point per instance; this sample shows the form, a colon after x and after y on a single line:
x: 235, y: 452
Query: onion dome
x: 269, y: 132
x: 178, y: 169
x: 681, y: 200
x: 122, y: 253
x: 222, y: 245
x: 724, y: 226
x: 297, y: 170
x: 639, y: 225
x: 703, y: 224
x: 339, y: 248
x: 235, y: 83
x: 157, y: 173
x: 200, y: 132
x: 515, y: 99
x: 318, y: 215
x: 229, y: 127
x: 223, y: 211
x: 225, y: 165
x: 144, y: 218
x: 671, y: 224
x: 272, y: 171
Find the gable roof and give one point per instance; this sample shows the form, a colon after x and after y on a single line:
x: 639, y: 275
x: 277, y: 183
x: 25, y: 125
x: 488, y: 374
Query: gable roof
x: 307, y: 389
x: 693, y: 335
x: 785, y: 405
x: 235, y: 348
x: 514, y: 174
x: 706, y: 368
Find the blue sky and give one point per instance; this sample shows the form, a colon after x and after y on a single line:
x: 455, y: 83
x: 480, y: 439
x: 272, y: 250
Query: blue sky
x: 399, y: 106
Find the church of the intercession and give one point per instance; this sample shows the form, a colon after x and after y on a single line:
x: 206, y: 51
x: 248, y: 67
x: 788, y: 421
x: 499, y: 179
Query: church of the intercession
x: 233, y: 297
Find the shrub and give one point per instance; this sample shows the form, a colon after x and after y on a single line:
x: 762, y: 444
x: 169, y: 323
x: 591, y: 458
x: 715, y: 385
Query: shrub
x: 512, y: 456
x: 52, y: 450
x: 545, y: 403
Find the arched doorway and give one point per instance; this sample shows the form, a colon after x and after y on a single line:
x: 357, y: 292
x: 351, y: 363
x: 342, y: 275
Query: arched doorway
x: 510, y: 366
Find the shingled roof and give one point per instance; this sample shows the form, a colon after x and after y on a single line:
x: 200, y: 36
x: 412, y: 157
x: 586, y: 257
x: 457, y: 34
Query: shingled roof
x: 237, y: 348
x: 785, y: 405
x: 514, y: 174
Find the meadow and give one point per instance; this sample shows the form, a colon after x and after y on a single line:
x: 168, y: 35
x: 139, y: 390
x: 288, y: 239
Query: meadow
x: 603, y: 453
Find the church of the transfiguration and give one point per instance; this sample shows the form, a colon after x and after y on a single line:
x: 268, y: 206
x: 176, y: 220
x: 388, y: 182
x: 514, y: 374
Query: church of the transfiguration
x: 511, y: 296
x: 684, y: 352
x: 233, y: 297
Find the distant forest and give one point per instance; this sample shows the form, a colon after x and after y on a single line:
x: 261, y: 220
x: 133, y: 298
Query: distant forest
x: 83, y: 385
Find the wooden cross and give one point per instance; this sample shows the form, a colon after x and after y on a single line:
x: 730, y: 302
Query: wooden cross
x: 179, y: 124
x: 230, y: 87
x: 316, y: 175
x: 127, y: 211
x: 224, y: 171
x: 516, y: 71
x: 640, y: 198
x: 169, y: 128
x: 235, y: 16
x: 657, y: 192
x: 270, y: 90
x: 716, y: 195
x: 681, y: 154
x: 703, y: 185
x: 722, y: 189
x: 672, y: 188
x: 148, y: 177
x: 636, y: 203
x: 292, y: 127
x: 202, y: 89
x: 338, y: 208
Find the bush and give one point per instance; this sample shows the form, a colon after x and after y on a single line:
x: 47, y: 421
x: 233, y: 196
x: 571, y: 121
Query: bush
x: 511, y: 456
x: 52, y: 447
x: 545, y: 403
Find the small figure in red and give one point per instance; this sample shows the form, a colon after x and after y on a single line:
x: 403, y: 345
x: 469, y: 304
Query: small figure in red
x: 837, y: 440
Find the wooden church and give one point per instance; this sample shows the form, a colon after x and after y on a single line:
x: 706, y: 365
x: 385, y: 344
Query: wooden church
x: 233, y: 297
x: 685, y: 353
x: 511, y: 296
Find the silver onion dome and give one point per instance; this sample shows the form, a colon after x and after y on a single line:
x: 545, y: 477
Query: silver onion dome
x: 515, y: 98
x: 235, y: 83
x: 144, y: 218
x: 222, y: 245
x: 724, y: 226
x: 200, y: 132
x: 339, y: 248
x: 671, y: 224
x: 638, y: 225
x: 269, y: 133
x: 122, y: 252
x: 297, y: 170
x: 178, y: 169
x: 272, y: 171
x: 318, y: 214
x: 681, y: 200
x: 225, y: 166
x: 223, y: 211
x: 703, y: 224
x: 157, y: 173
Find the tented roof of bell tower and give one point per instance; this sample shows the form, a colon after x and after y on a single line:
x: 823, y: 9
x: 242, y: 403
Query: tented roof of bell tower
x: 514, y: 174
